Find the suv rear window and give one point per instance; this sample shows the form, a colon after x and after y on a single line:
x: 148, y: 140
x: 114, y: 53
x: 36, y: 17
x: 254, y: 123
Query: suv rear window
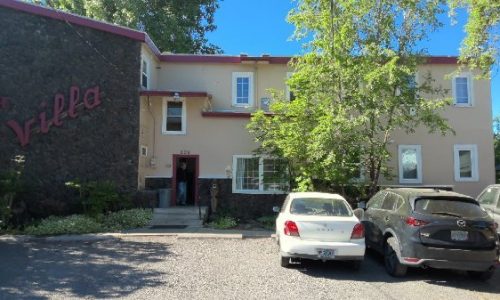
x: 455, y: 207
x: 320, y: 207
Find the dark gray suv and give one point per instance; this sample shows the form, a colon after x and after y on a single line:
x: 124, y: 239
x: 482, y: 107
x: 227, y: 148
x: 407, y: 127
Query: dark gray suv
x: 431, y: 228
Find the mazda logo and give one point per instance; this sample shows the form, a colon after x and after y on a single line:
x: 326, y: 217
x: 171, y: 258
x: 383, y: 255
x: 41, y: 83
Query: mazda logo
x: 461, y: 223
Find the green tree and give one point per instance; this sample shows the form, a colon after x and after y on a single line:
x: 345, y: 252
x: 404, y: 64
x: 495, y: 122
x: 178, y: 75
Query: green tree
x: 482, y: 41
x: 354, y: 89
x: 177, y: 26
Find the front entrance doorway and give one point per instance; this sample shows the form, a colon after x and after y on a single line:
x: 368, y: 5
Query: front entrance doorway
x: 188, y: 175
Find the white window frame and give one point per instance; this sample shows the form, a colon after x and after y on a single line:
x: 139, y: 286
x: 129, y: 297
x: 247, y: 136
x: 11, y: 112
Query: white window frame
x: 470, y: 90
x: 183, y: 122
x: 474, y: 162
x: 418, y: 149
x: 145, y: 72
x: 248, y: 75
x: 261, y: 176
x: 287, y: 87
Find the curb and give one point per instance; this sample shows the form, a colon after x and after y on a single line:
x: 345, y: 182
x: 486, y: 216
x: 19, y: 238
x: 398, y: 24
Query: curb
x: 114, y: 236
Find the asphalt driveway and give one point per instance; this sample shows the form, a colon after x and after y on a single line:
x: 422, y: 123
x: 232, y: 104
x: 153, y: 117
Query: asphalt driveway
x: 171, y: 268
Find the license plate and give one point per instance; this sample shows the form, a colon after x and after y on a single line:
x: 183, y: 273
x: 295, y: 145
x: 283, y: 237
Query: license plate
x: 459, y: 235
x: 326, y: 253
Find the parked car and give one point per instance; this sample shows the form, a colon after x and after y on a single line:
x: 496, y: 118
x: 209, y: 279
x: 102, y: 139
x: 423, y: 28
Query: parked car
x: 490, y: 200
x: 431, y: 228
x: 319, y: 226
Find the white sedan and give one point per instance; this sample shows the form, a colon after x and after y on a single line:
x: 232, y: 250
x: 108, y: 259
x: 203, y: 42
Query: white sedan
x: 319, y: 226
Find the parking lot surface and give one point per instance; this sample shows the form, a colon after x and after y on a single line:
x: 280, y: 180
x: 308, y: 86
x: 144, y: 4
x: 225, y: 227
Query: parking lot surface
x: 172, y: 268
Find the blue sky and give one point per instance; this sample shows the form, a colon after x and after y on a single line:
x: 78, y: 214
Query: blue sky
x: 259, y: 27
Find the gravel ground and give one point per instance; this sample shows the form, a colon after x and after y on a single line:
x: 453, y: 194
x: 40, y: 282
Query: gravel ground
x: 171, y: 268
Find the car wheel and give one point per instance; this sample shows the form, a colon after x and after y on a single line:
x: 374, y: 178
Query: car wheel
x: 285, y: 261
x: 391, y: 260
x: 484, y: 275
x: 356, y: 264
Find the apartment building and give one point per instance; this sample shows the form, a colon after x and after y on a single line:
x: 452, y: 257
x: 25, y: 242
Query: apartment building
x: 123, y: 111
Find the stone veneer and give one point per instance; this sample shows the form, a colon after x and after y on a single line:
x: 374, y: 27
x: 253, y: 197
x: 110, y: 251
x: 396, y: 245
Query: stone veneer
x: 41, y: 57
x: 244, y: 206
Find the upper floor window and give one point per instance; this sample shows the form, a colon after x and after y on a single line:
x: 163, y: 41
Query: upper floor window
x: 254, y: 174
x: 462, y: 90
x: 410, y: 163
x: 144, y: 74
x: 466, y: 167
x: 174, y: 117
x: 243, y: 89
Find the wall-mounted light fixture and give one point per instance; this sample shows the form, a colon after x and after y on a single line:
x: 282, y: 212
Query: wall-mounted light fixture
x: 229, y: 171
x: 177, y: 97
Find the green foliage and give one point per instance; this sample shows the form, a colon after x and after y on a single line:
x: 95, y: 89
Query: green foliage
x: 223, y: 222
x: 80, y: 224
x: 126, y: 219
x: 10, y: 186
x: 269, y: 222
x: 98, y: 197
x: 75, y: 224
x: 174, y: 26
x: 482, y: 41
x: 354, y: 89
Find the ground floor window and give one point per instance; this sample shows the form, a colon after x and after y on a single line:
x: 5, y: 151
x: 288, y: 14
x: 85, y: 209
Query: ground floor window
x: 253, y: 174
x: 466, y: 166
x: 410, y: 163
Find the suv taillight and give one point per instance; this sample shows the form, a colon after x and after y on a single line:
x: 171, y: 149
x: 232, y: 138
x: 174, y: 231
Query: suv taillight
x: 291, y: 228
x: 358, y: 232
x: 415, y: 222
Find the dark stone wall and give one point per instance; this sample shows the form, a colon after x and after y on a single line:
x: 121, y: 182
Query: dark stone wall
x: 243, y: 206
x: 40, y: 57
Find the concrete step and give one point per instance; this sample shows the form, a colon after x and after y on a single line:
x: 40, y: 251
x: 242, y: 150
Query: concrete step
x: 179, y: 215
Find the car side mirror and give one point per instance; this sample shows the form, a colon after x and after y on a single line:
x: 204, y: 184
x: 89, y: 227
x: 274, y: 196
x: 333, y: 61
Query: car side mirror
x: 362, y: 204
x: 276, y: 209
x: 359, y: 213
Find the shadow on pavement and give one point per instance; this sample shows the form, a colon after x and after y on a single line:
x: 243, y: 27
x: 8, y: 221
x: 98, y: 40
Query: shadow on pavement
x: 372, y: 270
x: 102, y: 269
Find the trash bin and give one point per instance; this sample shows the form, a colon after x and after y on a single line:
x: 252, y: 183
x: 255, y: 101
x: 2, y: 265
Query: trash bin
x: 164, y: 195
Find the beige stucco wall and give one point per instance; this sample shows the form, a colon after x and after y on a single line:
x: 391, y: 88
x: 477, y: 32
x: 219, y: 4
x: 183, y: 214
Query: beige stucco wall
x: 216, y: 80
x: 217, y: 139
x: 472, y: 125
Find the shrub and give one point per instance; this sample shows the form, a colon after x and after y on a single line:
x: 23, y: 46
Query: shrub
x: 126, y: 219
x: 9, y: 187
x: 224, y: 222
x: 65, y: 225
x: 78, y: 224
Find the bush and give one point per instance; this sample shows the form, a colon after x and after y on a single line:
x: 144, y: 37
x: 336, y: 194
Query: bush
x: 65, y: 225
x: 224, y: 222
x: 269, y: 222
x: 9, y: 187
x: 79, y: 224
x: 126, y: 219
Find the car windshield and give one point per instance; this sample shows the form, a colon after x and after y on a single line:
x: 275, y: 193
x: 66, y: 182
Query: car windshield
x: 454, y: 207
x: 320, y: 207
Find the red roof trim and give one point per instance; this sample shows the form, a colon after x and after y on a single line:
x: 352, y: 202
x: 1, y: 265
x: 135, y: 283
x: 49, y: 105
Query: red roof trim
x: 172, y: 93
x: 442, y: 60
x: 181, y: 58
x: 228, y: 114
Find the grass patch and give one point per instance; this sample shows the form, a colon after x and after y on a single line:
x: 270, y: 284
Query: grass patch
x: 80, y: 224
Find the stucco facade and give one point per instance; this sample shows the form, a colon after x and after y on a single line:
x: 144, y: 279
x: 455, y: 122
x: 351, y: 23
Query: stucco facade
x: 216, y: 128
